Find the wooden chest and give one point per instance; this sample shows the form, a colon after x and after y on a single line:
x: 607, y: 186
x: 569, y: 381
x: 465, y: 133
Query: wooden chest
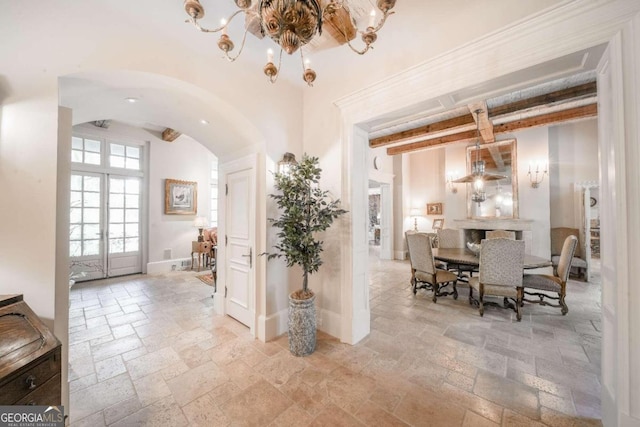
x: 30, y: 357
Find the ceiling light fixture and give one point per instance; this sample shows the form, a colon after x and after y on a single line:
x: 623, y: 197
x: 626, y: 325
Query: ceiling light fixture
x: 131, y: 100
x: 292, y: 24
x: 204, y: 122
x: 478, y: 176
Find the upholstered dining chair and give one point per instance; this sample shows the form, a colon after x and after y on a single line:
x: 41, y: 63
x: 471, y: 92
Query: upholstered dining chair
x: 557, y: 282
x: 578, y: 261
x: 450, y: 238
x: 501, y: 267
x: 496, y: 234
x: 424, y: 274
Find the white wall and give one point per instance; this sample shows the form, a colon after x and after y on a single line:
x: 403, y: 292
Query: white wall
x: 573, y: 157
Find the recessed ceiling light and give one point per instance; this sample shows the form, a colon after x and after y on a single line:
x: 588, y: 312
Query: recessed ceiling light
x: 131, y: 100
x: 204, y: 122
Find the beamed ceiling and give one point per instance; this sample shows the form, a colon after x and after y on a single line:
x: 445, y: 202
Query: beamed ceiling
x: 563, y: 90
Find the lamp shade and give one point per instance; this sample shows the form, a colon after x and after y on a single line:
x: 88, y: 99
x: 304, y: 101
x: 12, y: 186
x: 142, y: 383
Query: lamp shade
x: 200, y: 222
x: 416, y: 212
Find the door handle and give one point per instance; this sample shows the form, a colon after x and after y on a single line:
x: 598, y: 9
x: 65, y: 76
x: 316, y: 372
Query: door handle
x: 250, y: 257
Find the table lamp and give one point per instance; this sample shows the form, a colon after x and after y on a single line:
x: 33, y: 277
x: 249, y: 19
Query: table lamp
x: 200, y: 223
x: 415, y: 213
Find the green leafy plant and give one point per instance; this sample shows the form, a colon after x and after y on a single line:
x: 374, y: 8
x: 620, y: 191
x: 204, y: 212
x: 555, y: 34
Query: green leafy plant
x: 305, y: 211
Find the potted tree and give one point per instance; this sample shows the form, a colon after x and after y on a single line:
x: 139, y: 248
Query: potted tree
x: 305, y: 210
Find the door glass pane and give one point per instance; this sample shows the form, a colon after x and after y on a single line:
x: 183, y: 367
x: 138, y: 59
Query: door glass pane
x: 116, y: 216
x: 75, y: 216
x: 75, y: 232
x: 92, y: 200
x: 132, y: 201
x: 91, y: 215
x: 131, y: 230
x: 76, y: 182
x: 75, y: 248
x: 116, y: 200
x: 91, y: 247
x: 116, y: 231
x: 76, y: 198
x: 76, y: 143
x: 116, y: 185
x: 132, y: 215
x: 131, y: 245
x: 116, y: 246
x: 92, y: 183
x: 91, y: 231
x: 133, y: 186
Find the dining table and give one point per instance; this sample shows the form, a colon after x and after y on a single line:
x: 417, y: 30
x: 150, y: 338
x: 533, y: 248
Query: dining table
x: 464, y: 260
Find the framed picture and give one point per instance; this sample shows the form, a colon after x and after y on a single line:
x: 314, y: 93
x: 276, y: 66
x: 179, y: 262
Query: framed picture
x: 180, y: 197
x: 434, y: 208
x: 438, y: 223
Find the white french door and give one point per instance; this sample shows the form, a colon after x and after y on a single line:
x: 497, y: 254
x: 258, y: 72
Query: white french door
x: 105, y: 229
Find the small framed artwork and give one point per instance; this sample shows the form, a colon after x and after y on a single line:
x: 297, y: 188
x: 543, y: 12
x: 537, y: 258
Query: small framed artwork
x: 434, y: 208
x: 438, y: 223
x: 180, y: 197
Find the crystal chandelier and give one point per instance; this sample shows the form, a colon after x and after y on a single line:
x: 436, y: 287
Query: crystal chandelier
x: 478, y: 177
x: 291, y: 24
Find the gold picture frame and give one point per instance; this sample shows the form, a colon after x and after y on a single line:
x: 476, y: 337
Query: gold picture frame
x: 180, y: 197
x: 438, y: 224
x: 434, y: 208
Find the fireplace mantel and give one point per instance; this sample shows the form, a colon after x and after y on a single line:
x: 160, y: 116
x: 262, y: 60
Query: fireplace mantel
x: 494, y: 224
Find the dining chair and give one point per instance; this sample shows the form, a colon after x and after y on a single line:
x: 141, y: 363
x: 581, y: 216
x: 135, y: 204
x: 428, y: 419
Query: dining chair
x: 501, y: 267
x: 495, y: 234
x: 450, y: 238
x: 578, y: 261
x: 424, y: 274
x: 553, y: 283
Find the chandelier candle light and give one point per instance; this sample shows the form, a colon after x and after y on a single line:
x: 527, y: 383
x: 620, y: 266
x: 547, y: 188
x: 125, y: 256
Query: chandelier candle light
x: 291, y: 24
x: 478, y: 176
x: 535, y: 181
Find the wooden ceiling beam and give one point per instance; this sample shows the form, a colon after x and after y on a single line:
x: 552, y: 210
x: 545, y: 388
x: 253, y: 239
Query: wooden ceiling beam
x: 170, y: 135
x: 570, y: 114
x: 573, y: 92
x: 423, y: 131
x: 466, y: 136
x: 575, y: 113
x: 481, y: 117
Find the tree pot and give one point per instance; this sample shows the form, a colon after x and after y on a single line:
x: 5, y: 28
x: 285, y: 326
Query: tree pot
x: 302, y: 326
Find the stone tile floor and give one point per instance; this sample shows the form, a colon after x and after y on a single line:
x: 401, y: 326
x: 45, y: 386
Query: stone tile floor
x: 149, y: 350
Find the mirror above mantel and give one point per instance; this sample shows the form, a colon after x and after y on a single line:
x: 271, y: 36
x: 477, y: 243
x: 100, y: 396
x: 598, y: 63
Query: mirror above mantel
x: 500, y: 159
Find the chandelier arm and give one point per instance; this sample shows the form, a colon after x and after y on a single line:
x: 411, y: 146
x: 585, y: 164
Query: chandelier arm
x: 214, y: 30
x: 274, y: 79
x: 233, y: 58
x: 378, y: 27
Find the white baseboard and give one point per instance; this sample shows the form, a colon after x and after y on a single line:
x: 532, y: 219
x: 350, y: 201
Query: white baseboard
x: 401, y: 255
x: 272, y: 326
x: 164, y: 266
x: 330, y: 323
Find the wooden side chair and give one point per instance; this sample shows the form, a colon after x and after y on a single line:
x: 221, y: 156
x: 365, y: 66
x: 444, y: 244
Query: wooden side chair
x: 501, y: 267
x: 424, y: 274
x: 556, y: 283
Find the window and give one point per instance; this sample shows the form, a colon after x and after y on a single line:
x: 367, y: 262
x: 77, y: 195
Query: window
x: 84, y: 227
x: 213, y: 217
x: 86, y: 151
x: 124, y: 156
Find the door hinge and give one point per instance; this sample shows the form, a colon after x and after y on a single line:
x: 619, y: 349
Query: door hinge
x: 226, y: 189
x: 225, y: 240
x: 225, y: 291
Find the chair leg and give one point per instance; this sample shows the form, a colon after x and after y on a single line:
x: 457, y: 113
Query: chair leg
x: 455, y: 289
x: 436, y: 289
x: 470, y: 295
x: 481, y: 300
x: 519, y: 304
x: 565, y: 309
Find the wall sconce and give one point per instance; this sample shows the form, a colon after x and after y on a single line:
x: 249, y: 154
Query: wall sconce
x: 285, y: 164
x: 200, y: 223
x: 539, y: 175
x: 415, y: 213
x: 451, y: 186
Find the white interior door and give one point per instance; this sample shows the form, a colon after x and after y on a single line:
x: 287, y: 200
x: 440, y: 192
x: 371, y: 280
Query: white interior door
x: 239, y: 244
